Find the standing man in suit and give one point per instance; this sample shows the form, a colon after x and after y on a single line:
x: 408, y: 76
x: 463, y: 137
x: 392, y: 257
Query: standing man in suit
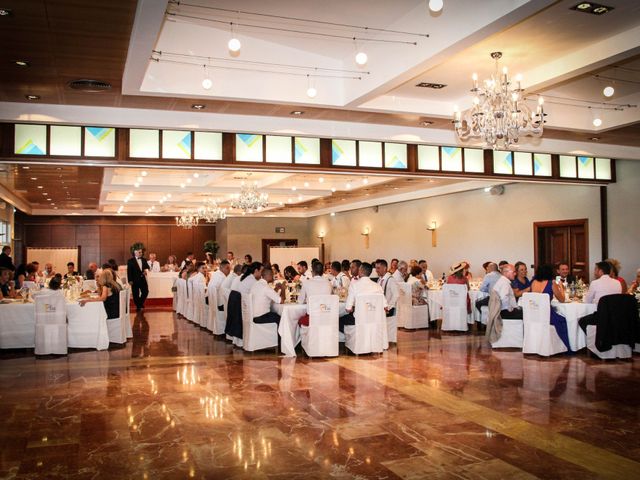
x: 137, y: 270
x: 5, y: 259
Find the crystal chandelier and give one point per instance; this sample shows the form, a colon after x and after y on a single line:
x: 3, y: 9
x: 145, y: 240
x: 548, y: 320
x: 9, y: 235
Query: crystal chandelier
x: 499, y: 115
x: 249, y: 200
x: 188, y: 219
x: 210, y: 212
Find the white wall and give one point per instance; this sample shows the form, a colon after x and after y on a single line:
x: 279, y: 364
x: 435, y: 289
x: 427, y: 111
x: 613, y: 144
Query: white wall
x: 624, y: 217
x: 473, y: 226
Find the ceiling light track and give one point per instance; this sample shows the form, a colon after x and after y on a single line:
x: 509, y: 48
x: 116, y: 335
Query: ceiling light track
x: 261, y: 70
x: 161, y: 53
x: 601, y: 77
x: 293, y: 30
x: 587, y: 103
x: 364, y: 28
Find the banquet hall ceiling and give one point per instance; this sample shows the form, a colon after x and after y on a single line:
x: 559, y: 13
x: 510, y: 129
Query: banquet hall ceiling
x: 558, y: 51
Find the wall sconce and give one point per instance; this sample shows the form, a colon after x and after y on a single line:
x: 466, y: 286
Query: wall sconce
x: 434, y: 234
x: 321, y: 235
x: 365, y: 234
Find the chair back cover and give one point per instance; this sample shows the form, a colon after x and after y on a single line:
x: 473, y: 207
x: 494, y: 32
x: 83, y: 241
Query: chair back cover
x: 256, y: 336
x: 369, y: 334
x: 198, y: 301
x: 540, y: 336
x: 51, y: 323
x: 454, y: 307
x: 403, y: 307
x: 321, y: 337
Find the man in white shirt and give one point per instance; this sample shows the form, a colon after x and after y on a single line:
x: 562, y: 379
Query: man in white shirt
x: 154, y: 264
x: 240, y: 287
x: 303, y: 270
x: 394, y: 266
x: 364, y: 286
x: 228, y: 281
x: 401, y: 272
x: 427, y: 276
x: 389, y: 286
x: 602, y: 286
x: 217, y: 279
x: 190, y: 258
x: 340, y: 279
x: 317, y: 285
x: 263, y: 296
x: 509, y: 307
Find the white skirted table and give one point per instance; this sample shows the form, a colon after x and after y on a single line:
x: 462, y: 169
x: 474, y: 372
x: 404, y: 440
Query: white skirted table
x: 573, y: 312
x: 160, y: 284
x: 87, y: 326
x: 289, y: 329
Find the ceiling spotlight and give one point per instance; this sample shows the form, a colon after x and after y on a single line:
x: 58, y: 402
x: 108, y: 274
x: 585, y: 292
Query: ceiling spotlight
x: 333, y: 214
x: 365, y: 181
x: 597, y: 122
x: 139, y: 180
x: 188, y: 180
x: 32, y: 97
x: 426, y: 123
x: 234, y: 45
x: 348, y: 186
x: 595, y: 139
x: 298, y: 112
x: 198, y: 106
x: 436, y: 5
x: 306, y: 184
x: 182, y: 185
x: 168, y: 195
x: 333, y: 189
x: 321, y: 180
x: 608, y: 91
x: 40, y: 186
x: 361, y: 58
x: 312, y: 92
x: 5, y: 12
x: 34, y: 178
x: 294, y: 188
x: 299, y: 197
x: 22, y: 63
x: 136, y: 185
x: 144, y: 173
x: 207, y: 83
x: 196, y: 175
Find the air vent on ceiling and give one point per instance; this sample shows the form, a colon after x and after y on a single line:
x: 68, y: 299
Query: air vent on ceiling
x: 435, y: 86
x: 591, y: 7
x: 86, y: 85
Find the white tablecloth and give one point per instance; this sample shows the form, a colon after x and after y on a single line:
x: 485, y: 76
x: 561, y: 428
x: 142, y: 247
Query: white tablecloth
x: 87, y: 325
x: 434, y: 300
x: 160, y: 284
x: 573, y: 312
x: 289, y: 329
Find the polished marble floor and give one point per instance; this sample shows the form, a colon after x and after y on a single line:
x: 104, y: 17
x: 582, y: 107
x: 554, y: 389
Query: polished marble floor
x: 179, y: 403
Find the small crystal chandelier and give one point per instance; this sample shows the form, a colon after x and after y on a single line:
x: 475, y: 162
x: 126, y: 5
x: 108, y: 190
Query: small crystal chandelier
x: 188, y: 219
x: 210, y: 212
x: 249, y: 200
x: 499, y: 114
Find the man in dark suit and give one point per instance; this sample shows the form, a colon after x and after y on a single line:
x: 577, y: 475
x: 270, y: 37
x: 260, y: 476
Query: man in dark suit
x: 5, y: 259
x: 137, y: 269
x: 563, y: 271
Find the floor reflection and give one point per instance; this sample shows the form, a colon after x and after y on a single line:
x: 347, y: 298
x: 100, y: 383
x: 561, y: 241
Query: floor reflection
x: 178, y: 402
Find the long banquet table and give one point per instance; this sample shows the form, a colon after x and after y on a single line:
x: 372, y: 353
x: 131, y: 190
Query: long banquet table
x: 87, y: 326
x: 160, y: 284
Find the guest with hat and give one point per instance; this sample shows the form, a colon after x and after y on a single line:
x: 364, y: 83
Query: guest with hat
x: 457, y: 277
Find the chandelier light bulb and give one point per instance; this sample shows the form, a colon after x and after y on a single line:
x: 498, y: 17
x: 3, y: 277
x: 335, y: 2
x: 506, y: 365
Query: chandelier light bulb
x: 312, y: 92
x: 207, y: 83
x: 597, y: 122
x: 608, y: 91
x: 361, y: 58
x: 234, y: 45
x: 321, y: 180
x: 436, y: 5
x: 474, y: 77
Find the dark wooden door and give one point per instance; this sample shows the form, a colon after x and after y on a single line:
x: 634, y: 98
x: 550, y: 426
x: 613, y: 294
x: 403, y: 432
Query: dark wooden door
x: 563, y: 241
x: 276, y: 242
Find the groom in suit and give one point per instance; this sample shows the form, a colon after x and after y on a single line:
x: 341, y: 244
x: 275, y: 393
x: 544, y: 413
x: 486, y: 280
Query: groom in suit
x: 137, y: 269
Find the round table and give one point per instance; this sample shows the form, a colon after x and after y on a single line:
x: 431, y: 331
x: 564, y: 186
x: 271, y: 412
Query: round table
x: 572, y: 312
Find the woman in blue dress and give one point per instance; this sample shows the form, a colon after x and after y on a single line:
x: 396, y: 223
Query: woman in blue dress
x: 543, y: 283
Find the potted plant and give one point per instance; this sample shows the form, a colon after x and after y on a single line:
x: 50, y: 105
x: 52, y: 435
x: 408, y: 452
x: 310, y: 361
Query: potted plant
x: 137, y: 246
x: 211, y: 247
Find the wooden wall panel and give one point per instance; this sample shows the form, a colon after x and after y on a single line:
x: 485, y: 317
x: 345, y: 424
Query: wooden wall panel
x: 38, y: 236
x: 133, y: 234
x: 181, y: 242
x: 159, y: 241
x: 63, y: 236
x: 112, y: 243
x: 88, y: 237
x: 201, y: 235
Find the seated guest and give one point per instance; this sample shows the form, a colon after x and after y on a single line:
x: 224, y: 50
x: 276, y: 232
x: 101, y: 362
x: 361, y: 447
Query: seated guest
x: 5, y: 284
x: 90, y: 275
x: 39, y: 275
x: 402, y: 272
x: 263, y: 296
x: 363, y: 286
x: 56, y: 282
x: 544, y: 283
x: 467, y: 271
x: 316, y: 285
x: 250, y: 276
x: 354, y: 270
x: 171, y: 265
x: 502, y: 264
x: 616, y: 268
x: 189, y: 260
x: 277, y: 274
x: 563, y: 271
x: 5, y: 258
x: 340, y: 278
x: 635, y: 285
x: 113, y: 265
x: 154, y: 264
x: 20, y: 276
x: 602, y: 286
x: 418, y: 286
x: 235, y: 273
x: 488, y: 282
x: 109, y: 294
x: 457, y: 277
x: 32, y: 272
x: 49, y: 270
x: 393, y: 266
x: 427, y: 276
x: 71, y: 270
x: 248, y: 259
x: 346, y: 265
x: 240, y: 287
x: 93, y: 266
x: 303, y: 271
x: 509, y: 307
x: 521, y: 284
x: 217, y: 279
x: 389, y: 286
x: 290, y: 274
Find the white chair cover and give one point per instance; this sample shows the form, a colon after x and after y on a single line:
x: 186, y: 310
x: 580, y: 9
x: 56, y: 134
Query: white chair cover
x: 320, y: 338
x: 181, y: 283
x: 189, y: 301
x: 51, y: 323
x: 174, y: 305
x: 89, y: 285
x: 198, y: 305
x: 617, y: 351
x: 216, y: 321
x: 419, y: 317
x: 540, y: 336
x: 369, y: 334
x: 127, y: 307
x: 403, y: 307
x: 116, y: 326
x: 484, y: 314
x: 256, y: 336
x: 454, y: 307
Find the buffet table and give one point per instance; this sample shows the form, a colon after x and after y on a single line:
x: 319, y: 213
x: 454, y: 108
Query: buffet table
x: 160, y: 284
x: 87, y: 326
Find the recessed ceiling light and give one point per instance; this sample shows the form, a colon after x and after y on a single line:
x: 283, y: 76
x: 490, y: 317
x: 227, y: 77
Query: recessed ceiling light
x: 608, y: 91
x: 333, y: 189
x: 594, y: 139
x: 294, y: 188
x: 365, y: 181
x: 435, y: 86
x: 136, y: 184
x: 40, y: 186
x: 426, y: 123
x: 182, y: 185
x: 144, y: 173
x: 591, y: 7
x: 333, y: 214
x: 306, y: 184
x: 45, y: 194
x: 188, y: 180
x: 5, y: 12
x: 25, y: 168
x: 21, y: 63
x: 297, y: 112
x: 32, y: 97
x: 321, y: 180
x: 348, y: 186
x: 139, y: 179
x: 196, y: 175
x: 34, y: 178
x: 198, y: 106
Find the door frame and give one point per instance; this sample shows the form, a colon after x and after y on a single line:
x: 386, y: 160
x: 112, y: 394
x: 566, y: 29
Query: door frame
x: 266, y: 242
x: 579, y: 222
